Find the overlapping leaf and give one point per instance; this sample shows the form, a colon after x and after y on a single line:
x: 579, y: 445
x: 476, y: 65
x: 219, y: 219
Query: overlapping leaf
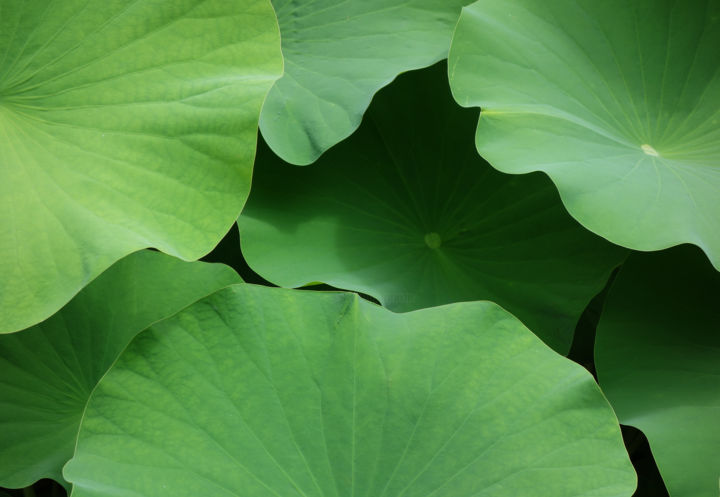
x: 48, y: 371
x: 337, y: 55
x: 617, y: 101
x: 270, y: 392
x: 407, y: 212
x: 123, y: 124
x: 658, y: 361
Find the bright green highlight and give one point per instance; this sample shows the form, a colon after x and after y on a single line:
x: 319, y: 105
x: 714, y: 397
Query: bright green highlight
x: 124, y: 125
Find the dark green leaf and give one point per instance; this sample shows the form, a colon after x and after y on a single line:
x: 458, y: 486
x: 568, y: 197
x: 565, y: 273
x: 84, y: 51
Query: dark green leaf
x: 407, y: 212
x: 658, y: 361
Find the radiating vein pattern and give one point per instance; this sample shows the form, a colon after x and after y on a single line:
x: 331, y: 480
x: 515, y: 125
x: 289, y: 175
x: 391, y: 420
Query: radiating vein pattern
x: 261, y: 391
x: 48, y: 371
x: 337, y: 55
x: 125, y: 125
x: 406, y: 211
x: 618, y: 102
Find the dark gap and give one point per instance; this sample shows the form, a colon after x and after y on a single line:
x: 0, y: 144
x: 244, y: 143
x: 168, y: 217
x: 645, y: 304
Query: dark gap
x: 228, y: 252
x: 582, y: 349
x: 650, y: 483
x: 41, y: 488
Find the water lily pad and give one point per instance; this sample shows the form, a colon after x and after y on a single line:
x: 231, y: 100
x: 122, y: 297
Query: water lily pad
x: 406, y: 211
x: 124, y: 125
x: 658, y: 362
x: 337, y: 55
x: 48, y: 371
x: 618, y: 102
x: 273, y: 392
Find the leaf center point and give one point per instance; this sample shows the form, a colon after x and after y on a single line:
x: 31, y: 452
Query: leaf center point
x: 433, y: 240
x: 649, y: 150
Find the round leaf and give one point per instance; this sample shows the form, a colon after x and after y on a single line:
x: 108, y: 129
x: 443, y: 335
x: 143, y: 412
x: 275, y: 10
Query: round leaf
x: 617, y: 101
x: 407, y: 212
x: 49, y: 370
x: 270, y: 392
x: 337, y: 55
x: 658, y: 361
x: 124, y: 125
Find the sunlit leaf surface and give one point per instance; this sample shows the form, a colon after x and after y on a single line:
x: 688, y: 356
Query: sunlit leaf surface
x: 123, y: 124
x: 337, y: 55
x: 617, y: 101
x: 270, y: 392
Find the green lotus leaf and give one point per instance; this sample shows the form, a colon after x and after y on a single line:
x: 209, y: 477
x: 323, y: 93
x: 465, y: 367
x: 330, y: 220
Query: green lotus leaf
x: 617, y: 101
x: 658, y: 362
x: 48, y: 371
x: 337, y: 55
x: 407, y: 212
x: 271, y: 392
x: 124, y: 125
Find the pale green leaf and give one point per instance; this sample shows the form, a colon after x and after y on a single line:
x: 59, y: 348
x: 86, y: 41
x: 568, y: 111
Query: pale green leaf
x: 617, y: 101
x: 337, y: 55
x: 124, y: 124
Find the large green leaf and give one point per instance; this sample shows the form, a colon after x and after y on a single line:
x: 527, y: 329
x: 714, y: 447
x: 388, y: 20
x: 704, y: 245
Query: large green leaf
x: 48, y: 371
x: 407, y: 212
x: 337, y: 55
x: 618, y: 101
x: 658, y: 361
x: 270, y: 392
x: 124, y: 124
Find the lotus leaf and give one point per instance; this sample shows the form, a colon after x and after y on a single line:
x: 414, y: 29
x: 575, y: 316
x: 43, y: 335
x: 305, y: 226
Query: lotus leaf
x: 406, y: 211
x: 617, y: 101
x: 49, y: 370
x: 658, y: 362
x: 124, y: 125
x: 337, y: 55
x: 272, y: 392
